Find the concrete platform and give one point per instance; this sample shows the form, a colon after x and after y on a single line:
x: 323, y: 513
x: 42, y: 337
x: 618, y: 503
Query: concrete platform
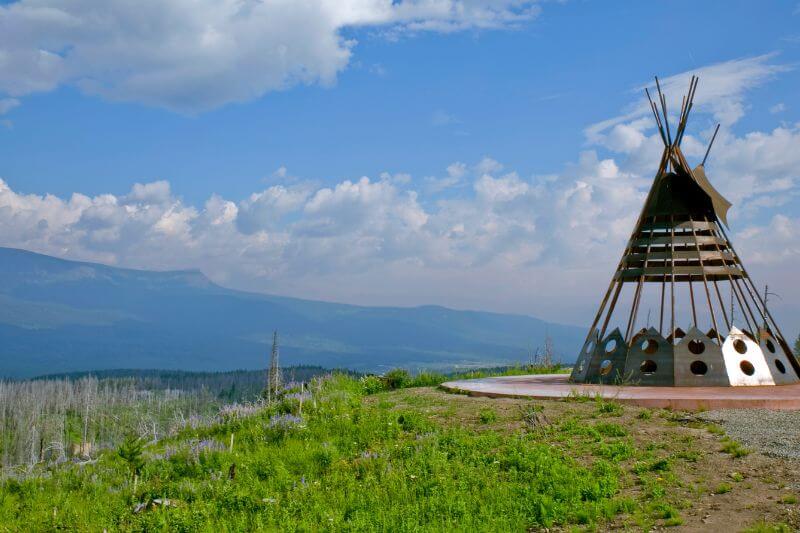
x: 555, y: 386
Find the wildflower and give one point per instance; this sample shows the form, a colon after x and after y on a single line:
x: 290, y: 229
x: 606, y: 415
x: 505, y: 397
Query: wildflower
x: 285, y: 421
x: 299, y: 396
x: 239, y: 410
x: 206, y: 445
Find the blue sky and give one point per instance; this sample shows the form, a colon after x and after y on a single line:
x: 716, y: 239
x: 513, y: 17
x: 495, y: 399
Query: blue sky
x: 471, y: 122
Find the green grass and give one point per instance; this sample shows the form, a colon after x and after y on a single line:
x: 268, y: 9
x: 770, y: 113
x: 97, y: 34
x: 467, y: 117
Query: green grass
x: 399, y: 378
x: 487, y: 416
x: 345, y: 464
x: 734, y: 448
x: 723, y: 488
x: 369, y: 454
x: 765, y: 527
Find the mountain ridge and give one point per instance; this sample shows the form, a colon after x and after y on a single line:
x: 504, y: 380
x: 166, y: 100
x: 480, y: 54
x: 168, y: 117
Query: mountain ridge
x: 58, y: 315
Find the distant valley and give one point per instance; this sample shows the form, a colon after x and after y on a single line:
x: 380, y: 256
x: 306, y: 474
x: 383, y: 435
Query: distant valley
x: 61, y: 316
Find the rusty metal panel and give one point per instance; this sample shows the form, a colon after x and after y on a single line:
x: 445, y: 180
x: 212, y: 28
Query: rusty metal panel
x: 650, y: 360
x: 721, y: 205
x: 581, y: 368
x: 608, y: 359
x: 699, y: 362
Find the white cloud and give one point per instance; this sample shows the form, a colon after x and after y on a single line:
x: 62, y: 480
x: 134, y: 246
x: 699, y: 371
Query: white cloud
x: 503, y: 189
x: 442, y: 118
x: 455, y: 175
x: 7, y: 104
x: 721, y: 92
x: 777, y: 108
x: 479, y: 235
x: 261, y: 211
x: 555, y: 239
x: 488, y: 165
x: 194, y: 55
x: 157, y: 192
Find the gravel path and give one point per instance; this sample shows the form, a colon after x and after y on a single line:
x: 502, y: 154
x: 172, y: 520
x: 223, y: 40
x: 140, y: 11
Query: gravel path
x: 773, y: 433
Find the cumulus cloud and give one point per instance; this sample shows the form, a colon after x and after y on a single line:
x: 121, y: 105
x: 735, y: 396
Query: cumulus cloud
x: 476, y: 235
x: 194, y: 55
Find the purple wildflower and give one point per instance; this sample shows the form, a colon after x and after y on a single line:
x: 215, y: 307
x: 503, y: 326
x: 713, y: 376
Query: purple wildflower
x: 285, y: 422
x: 299, y: 396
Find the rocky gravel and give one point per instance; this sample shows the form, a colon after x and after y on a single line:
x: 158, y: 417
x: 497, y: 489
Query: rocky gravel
x: 772, y: 433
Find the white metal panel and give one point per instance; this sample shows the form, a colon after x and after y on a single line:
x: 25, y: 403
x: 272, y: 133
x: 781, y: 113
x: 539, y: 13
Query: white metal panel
x: 737, y: 363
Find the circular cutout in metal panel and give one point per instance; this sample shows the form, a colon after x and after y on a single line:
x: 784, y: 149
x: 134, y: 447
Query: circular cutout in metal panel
x: 696, y: 346
x: 698, y: 368
x: 611, y: 345
x: 650, y: 346
x: 648, y: 367
x: 740, y: 346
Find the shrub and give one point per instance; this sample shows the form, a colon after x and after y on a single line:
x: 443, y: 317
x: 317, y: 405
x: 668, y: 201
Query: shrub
x: 372, y: 384
x: 427, y: 379
x: 722, y: 488
x: 396, y: 378
x: 608, y: 408
x: 735, y: 449
x: 487, y: 416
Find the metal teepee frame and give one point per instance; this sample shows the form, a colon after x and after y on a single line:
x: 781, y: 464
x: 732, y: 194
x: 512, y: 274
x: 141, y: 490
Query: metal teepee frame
x: 679, y: 241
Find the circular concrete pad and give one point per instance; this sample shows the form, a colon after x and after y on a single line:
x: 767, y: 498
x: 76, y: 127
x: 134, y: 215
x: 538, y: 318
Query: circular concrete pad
x: 554, y: 386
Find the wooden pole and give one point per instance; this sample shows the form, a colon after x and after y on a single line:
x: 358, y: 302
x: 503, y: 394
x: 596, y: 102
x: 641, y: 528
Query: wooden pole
x: 710, y: 144
x: 672, y: 275
x: 705, y: 281
x: 691, y: 298
x: 637, y: 299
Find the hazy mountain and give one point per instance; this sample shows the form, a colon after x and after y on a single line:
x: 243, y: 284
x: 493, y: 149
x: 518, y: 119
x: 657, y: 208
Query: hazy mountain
x: 59, y: 316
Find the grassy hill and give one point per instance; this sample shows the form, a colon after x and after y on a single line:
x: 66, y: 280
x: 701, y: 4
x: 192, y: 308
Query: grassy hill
x: 339, y: 458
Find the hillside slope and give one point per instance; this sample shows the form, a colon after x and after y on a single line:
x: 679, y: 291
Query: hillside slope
x: 58, y: 316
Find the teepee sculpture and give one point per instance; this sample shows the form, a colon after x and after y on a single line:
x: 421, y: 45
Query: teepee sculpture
x: 679, y: 258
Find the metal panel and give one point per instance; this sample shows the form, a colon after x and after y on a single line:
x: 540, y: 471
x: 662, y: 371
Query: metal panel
x: 680, y: 239
x: 650, y: 360
x: 721, y: 205
x: 699, y: 362
x: 682, y: 270
x: 608, y: 360
x: 744, y: 361
x: 705, y: 255
x: 698, y: 225
x: 782, y: 370
x: 581, y: 368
